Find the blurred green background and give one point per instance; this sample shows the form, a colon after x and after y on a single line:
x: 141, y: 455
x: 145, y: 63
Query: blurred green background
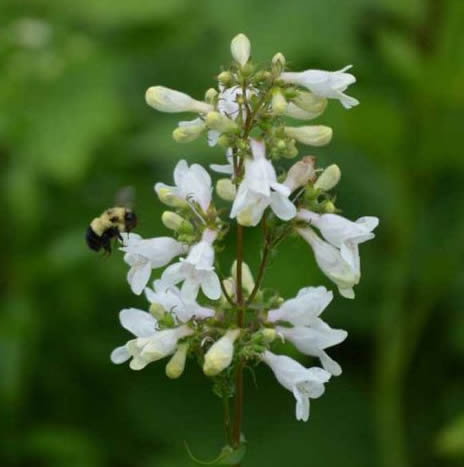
x: 74, y: 128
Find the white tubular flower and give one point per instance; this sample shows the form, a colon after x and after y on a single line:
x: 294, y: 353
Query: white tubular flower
x: 240, y: 48
x: 189, y: 131
x: 330, y: 84
x: 196, y: 271
x: 145, y: 350
x: 171, y: 300
x: 345, y: 274
x: 150, y: 345
x: 304, y: 383
x: 176, y: 365
x: 259, y: 189
x: 192, y: 184
x: 329, y: 178
x: 300, y: 173
x: 304, y: 308
x: 220, y: 354
x: 143, y: 255
x: 314, y: 340
x: 169, y: 100
x: 312, y: 135
x: 342, y: 233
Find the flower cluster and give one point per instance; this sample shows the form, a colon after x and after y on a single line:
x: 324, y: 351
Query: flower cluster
x: 228, y: 323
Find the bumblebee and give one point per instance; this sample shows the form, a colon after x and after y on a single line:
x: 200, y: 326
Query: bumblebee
x: 109, y: 225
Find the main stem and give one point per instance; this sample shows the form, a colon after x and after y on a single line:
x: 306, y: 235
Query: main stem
x: 236, y: 430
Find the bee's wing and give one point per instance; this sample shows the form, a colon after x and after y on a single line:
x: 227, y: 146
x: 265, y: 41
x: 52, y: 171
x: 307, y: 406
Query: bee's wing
x: 125, y: 197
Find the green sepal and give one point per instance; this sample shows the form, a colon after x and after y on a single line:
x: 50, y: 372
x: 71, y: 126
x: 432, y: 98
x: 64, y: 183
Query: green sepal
x: 228, y: 455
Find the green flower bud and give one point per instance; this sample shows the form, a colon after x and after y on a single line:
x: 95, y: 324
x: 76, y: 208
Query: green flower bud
x: 328, y: 207
x: 211, y: 96
x: 176, y: 365
x: 269, y: 335
x: 173, y: 221
x: 187, y: 132
x: 329, y: 178
x: 313, y: 135
x: 225, y: 189
x: 279, y: 60
x: 278, y: 102
x: 225, y: 141
x: 291, y: 151
x: 221, y: 123
x: 225, y: 78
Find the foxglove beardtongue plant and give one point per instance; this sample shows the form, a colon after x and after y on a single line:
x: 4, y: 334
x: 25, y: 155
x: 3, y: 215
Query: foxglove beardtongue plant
x: 228, y: 323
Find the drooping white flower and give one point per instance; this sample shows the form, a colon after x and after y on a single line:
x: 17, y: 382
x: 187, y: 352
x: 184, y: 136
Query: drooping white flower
x: 150, y: 344
x: 331, y: 84
x: 171, y: 300
x: 220, y: 354
x: 240, y: 48
x: 310, y: 334
x: 260, y: 189
x: 342, y: 233
x: 314, y: 339
x: 196, y: 271
x: 345, y: 274
x: 304, y: 383
x: 172, y: 101
x: 309, y: 303
x: 192, y: 184
x: 143, y: 255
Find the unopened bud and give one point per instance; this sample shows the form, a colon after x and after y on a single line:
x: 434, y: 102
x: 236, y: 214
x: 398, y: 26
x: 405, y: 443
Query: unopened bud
x: 225, y: 78
x: 240, y: 49
x: 221, y: 123
x: 300, y: 173
x: 189, y: 131
x: 313, y: 135
x: 220, y: 354
x: 248, y: 282
x: 224, y: 141
x: 176, y: 365
x: 173, y: 221
x: 297, y: 113
x: 310, y: 102
x: 329, y: 178
x: 166, y: 196
x: 279, y: 59
x: 278, y: 102
x: 225, y: 189
x: 291, y: 151
x: 269, y: 335
x: 328, y: 207
x: 211, y: 96
x: 169, y: 100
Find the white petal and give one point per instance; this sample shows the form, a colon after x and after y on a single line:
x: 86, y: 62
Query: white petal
x: 119, y: 355
x: 180, y: 171
x: 330, y: 365
x: 190, y: 289
x: 227, y: 169
x: 302, y: 405
x: 138, y: 322
x: 172, y: 275
x: 283, y: 208
x: 210, y: 285
x: 138, y: 277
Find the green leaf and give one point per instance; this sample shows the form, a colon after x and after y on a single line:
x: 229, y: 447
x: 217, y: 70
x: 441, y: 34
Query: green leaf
x: 228, y: 455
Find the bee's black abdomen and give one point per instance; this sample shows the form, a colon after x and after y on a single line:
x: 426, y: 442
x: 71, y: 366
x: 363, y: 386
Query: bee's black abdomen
x: 94, y: 242
x: 130, y: 220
